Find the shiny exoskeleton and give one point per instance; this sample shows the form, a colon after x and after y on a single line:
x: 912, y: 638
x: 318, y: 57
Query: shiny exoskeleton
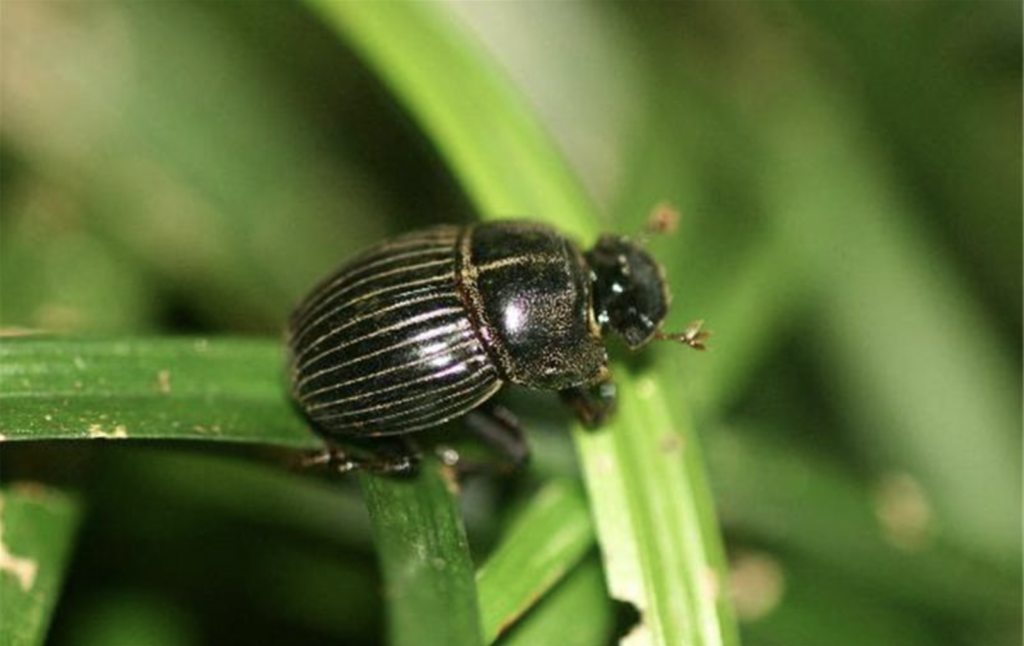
x: 428, y: 326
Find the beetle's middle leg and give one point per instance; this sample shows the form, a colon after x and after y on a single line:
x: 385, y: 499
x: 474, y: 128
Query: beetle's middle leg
x: 501, y: 431
x: 593, y: 403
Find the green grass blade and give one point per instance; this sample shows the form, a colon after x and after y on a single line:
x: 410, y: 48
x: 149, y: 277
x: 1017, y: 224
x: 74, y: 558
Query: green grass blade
x: 37, y: 526
x: 503, y: 158
x: 787, y: 600
x: 783, y: 494
x: 546, y: 541
x: 233, y: 390
x: 218, y: 206
x: 226, y: 390
x: 429, y: 583
x: 576, y: 613
x: 949, y: 152
x: 897, y: 301
x: 654, y: 517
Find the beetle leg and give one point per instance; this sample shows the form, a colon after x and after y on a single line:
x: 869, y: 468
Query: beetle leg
x: 391, y: 456
x: 593, y: 403
x: 386, y: 456
x: 331, y: 457
x: 500, y: 430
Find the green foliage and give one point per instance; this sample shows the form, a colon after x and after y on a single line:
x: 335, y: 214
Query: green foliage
x: 173, y: 176
x: 536, y: 551
x: 652, y: 509
x: 427, y: 569
x: 228, y: 390
x: 37, y: 532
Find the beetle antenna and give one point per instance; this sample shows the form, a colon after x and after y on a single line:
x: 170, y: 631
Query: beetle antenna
x: 693, y: 336
x: 663, y: 219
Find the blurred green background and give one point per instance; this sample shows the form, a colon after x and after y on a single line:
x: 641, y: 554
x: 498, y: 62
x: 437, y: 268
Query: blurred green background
x: 849, y: 178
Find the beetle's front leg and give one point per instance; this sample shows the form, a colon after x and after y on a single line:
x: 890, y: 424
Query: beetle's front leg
x: 593, y: 403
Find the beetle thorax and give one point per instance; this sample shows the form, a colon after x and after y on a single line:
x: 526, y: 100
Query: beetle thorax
x: 527, y: 288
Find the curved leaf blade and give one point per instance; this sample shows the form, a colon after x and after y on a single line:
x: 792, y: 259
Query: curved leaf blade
x: 545, y: 542
x: 503, y: 157
x: 37, y: 526
x: 581, y: 597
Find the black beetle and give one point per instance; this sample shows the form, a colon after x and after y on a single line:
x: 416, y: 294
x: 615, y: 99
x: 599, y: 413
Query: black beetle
x: 428, y: 326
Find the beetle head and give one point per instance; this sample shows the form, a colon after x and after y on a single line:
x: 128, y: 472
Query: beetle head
x: 630, y: 295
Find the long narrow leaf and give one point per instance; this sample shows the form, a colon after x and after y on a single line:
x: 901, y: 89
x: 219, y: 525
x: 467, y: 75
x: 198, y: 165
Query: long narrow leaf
x: 896, y: 300
x: 576, y: 613
x: 547, y: 540
x: 503, y: 158
x: 37, y: 525
x: 428, y: 572
x: 654, y: 517
x: 233, y: 390
x: 775, y: 491
x: 230, y: 390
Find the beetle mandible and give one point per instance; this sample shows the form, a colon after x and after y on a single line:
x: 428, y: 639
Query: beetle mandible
x: 428, y: 326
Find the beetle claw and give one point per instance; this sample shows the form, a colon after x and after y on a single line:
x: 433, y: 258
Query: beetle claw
x: 693, y: 336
